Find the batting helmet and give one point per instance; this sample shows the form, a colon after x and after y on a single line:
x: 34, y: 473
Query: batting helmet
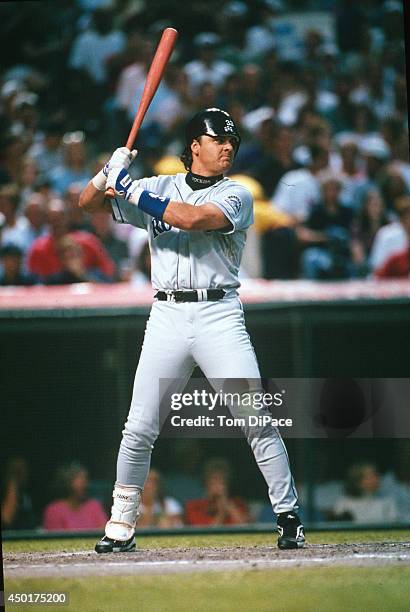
x: 209, y: 122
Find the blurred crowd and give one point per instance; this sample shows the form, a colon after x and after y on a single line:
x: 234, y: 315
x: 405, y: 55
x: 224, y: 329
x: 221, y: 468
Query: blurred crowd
x: 173, y: 500
x: 318, y: 91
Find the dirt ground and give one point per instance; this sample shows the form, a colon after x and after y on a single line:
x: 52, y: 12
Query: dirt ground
x: 175, y: 560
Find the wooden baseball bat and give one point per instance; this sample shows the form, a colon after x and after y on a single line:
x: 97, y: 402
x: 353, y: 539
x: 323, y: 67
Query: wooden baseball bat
x: 154, y: 76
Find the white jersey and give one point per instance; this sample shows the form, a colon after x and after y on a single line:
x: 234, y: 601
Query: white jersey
x: 197, y: 259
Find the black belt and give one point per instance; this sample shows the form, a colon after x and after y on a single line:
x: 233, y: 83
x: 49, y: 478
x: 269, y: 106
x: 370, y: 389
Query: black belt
x: 195, y: 295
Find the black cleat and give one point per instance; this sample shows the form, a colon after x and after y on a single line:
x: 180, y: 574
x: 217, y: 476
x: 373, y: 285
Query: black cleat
x: 107, y: 545
x: 291, y: 534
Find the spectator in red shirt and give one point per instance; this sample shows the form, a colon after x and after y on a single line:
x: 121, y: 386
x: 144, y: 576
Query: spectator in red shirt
x: 397, y: 266
x: 395, y: 247
x: 73, y: 509
x: 43, y: 257
x: 217, y: 508
x: 74, y: 269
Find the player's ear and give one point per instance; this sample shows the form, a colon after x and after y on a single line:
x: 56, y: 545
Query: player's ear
x: 195, y: 146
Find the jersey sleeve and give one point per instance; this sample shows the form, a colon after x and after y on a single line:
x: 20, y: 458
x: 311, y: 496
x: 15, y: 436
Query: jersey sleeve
x: 127, y: 212
x: 236, y: 203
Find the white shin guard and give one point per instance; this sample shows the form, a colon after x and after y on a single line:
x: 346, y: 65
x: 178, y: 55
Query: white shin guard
x: 124, y: 512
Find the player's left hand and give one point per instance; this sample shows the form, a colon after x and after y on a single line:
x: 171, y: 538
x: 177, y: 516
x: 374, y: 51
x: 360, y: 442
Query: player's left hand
x: 120, y: 181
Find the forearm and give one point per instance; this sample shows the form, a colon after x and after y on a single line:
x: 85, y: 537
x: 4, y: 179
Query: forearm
x: 194, y: 218
x: 93, y: 200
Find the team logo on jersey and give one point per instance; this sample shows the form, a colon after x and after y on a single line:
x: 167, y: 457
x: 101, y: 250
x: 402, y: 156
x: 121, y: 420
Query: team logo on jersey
x: 159, y: 227
x: 234, y: 202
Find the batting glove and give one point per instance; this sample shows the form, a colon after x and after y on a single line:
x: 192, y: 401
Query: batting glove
x: 120, y: 181
x: 121, y: 158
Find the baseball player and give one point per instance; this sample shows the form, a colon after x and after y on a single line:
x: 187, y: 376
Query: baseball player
x: 196, y: 224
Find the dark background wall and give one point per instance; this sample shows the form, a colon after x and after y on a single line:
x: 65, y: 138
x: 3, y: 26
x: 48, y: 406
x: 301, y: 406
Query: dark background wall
x: 67, y: 381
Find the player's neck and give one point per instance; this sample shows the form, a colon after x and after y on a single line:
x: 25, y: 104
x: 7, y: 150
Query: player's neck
x: 198, y: 181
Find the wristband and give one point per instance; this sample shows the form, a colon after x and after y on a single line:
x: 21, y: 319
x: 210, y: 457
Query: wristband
x: 99, y: 181
x: 149, y: 202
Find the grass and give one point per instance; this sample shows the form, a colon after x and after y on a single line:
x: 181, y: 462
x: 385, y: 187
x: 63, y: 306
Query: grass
x: 331, y: 537
x: 307, y: 589
x: 321, y: 589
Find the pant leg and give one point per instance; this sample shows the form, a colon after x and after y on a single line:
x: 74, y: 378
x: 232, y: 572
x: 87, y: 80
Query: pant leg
x: 165, y: 355
x: 223, y: 350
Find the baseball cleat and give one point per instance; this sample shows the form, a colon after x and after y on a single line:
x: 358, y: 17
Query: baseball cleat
x: 290, y: 529
x: 107, y: 545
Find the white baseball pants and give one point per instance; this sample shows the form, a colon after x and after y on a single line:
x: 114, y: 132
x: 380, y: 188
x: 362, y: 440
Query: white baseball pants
x: 213, y: 336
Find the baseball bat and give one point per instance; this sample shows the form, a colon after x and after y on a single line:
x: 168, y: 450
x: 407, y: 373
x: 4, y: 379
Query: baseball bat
x: 154, y: 76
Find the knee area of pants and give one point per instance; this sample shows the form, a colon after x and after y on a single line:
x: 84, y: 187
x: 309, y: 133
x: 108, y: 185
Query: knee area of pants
x: 137, y: 440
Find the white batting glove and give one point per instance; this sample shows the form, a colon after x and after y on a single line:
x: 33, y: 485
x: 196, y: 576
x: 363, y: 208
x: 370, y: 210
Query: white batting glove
x: 121, y: 158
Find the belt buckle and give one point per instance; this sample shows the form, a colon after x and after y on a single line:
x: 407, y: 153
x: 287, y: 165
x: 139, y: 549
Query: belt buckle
x: 170, y: 295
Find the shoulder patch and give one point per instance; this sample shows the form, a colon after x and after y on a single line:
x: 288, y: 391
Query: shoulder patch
x: 235, y: 202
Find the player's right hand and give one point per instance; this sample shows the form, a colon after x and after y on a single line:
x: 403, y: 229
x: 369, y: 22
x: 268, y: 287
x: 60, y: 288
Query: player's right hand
x: 121, y: 158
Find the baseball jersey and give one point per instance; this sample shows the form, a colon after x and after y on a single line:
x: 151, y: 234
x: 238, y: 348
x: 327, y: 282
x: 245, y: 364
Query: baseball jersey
x: 197, y: 259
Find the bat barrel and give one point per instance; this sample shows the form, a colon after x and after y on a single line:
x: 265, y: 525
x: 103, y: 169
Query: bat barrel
x: 154, y: 76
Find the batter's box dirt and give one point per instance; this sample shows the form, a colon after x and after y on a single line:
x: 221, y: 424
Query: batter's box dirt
x: 172, y: 560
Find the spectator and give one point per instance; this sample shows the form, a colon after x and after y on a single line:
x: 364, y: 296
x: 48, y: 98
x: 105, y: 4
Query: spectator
x: 397, y: 266
x: 43, y: 257
x: 365, y: 226
x: 74, y: 169
x: 16, y: 504
x: 207, y: 68
x: 169, y: 102
x: 363, y: 501
x: 329, y: 222
x: 73, y: 509
x: 158, y: 510
x: 28, y: 178
x: 103, y: 227
x: 376, y: 154
x: 95, y: 45
x: 15, y: 227
x: 299, y: 190
x: 251, y: 91
x: 217, y: 508
x: 351, y: 171
x: 73, y: 266
x: 48, y: 153
x: 277, y: 160
x: 77, y: 219
x: 87, y: 62
x: 142, y: 273
x: 25, y: 116
x: 397, y: 483
x: 393, y: 238
x: 393, y: 186
x: 13, y: 148
x: 262, y: 37
x: 183, y: 478
x: 35, y: 213
x: 11, y: 271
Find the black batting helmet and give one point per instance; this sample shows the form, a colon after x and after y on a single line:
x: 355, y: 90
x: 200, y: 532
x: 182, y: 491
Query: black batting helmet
x: 209, y: 122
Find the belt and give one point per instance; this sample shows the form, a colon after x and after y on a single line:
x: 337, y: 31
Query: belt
x: 194, y: 295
